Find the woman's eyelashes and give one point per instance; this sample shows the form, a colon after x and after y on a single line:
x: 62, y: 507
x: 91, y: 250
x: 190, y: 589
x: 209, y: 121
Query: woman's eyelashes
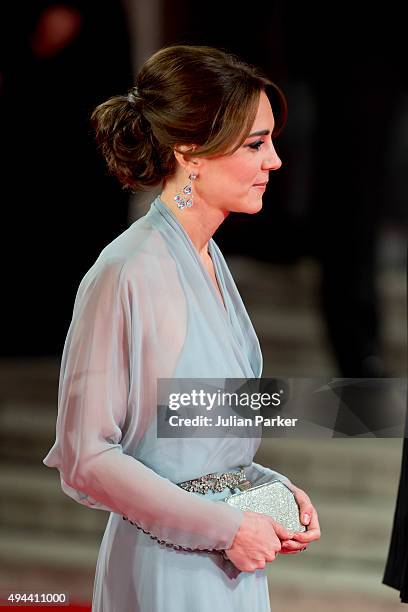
x: 256, y: 145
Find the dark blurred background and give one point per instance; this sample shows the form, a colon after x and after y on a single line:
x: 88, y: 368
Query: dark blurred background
x: 339, y: 201
x: 322, y: 268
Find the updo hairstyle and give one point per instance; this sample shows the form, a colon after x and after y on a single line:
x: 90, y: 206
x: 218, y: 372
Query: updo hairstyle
x: 184, y: 95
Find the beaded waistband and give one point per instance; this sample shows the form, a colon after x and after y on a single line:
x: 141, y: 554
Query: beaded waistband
x: 216, y: 482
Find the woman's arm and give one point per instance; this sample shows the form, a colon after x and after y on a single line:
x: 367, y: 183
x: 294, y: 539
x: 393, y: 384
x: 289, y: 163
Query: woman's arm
x: 104, y: 395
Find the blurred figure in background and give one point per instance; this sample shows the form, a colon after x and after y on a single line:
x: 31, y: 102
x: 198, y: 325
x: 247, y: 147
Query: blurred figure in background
x: 57, y: 61
x: 396, y: 569
x: 355, y: 84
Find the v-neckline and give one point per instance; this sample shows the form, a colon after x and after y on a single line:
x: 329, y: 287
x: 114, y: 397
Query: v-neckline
x: 221, y: 296
x: 222, y: 301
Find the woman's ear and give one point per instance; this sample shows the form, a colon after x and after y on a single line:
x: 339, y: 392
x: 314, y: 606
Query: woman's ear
x: 187, y: 162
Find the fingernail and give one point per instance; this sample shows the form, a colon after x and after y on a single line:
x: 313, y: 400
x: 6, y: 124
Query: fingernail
x: 306, y: 519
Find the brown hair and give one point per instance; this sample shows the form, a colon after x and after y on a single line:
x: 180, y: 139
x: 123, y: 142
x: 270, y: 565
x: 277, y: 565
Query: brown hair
x: 184, y: 95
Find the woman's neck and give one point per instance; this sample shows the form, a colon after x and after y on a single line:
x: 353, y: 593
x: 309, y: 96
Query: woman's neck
x: 200, y: 221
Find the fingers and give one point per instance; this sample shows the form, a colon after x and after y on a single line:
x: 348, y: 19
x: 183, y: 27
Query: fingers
x: 289, y: 547
x: 305, y: 505
x: 271, y: 557
x: 292, y: 546
x: 305, y: 512
x: 292, y: 552
x: 249, y: 565
x: 260, y: 563
x: 307, y: 536
x: 307, y: 516
x: 313, y: 533
x: 281, y: 531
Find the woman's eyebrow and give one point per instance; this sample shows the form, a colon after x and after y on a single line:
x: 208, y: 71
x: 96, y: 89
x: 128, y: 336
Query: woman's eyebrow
x: 260, y: 133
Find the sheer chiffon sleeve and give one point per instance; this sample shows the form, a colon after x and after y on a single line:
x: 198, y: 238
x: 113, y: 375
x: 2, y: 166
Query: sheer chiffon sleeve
x: 105, y: 399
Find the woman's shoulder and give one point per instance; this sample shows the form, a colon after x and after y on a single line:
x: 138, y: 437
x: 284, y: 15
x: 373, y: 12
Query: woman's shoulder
x: 139, y: 254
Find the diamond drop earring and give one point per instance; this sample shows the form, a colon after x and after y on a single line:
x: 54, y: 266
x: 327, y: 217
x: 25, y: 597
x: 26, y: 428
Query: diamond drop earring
x: 185, y: 197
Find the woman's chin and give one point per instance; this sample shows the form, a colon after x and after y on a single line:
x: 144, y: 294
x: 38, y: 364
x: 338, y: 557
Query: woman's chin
x: 254, y: 205
x: 250, y: 206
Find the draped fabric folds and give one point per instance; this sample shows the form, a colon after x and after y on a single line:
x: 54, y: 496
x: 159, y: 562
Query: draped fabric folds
x: 148, y: 309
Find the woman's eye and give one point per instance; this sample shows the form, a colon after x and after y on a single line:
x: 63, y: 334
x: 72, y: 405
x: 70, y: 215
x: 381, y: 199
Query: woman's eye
x: 256, y: 145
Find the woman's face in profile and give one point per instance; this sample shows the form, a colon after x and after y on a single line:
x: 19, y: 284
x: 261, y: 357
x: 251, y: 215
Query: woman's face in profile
x: 237, y: 182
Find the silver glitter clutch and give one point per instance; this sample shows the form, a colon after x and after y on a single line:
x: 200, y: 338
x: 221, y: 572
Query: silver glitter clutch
x: 273, y: 498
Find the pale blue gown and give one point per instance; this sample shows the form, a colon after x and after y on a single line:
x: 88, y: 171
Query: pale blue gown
x: 148, y: 309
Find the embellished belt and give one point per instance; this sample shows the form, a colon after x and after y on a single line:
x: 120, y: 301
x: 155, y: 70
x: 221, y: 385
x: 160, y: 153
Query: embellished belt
x: 217, y: 482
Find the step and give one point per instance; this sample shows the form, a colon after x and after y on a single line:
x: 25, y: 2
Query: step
x: 337, y: 467
x: 302, y: 280
x: 33, y: 380
x: 307, y: 328
x: 301, y: 579
x: 32, y: 499
x: 355, y: 531
x: 25, y: 547
x: 32, y: 577
x: 277, y: 356
x: 27, y: 430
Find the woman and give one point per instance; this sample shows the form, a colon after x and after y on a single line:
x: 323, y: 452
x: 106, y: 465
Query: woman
x: 160, y: 302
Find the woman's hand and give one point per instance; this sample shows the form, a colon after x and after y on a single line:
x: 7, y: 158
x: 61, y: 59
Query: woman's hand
x: 257, y: 542
x: 308, y: 517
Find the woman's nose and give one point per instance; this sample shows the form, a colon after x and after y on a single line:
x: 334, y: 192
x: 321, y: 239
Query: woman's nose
x: 272, y: 161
